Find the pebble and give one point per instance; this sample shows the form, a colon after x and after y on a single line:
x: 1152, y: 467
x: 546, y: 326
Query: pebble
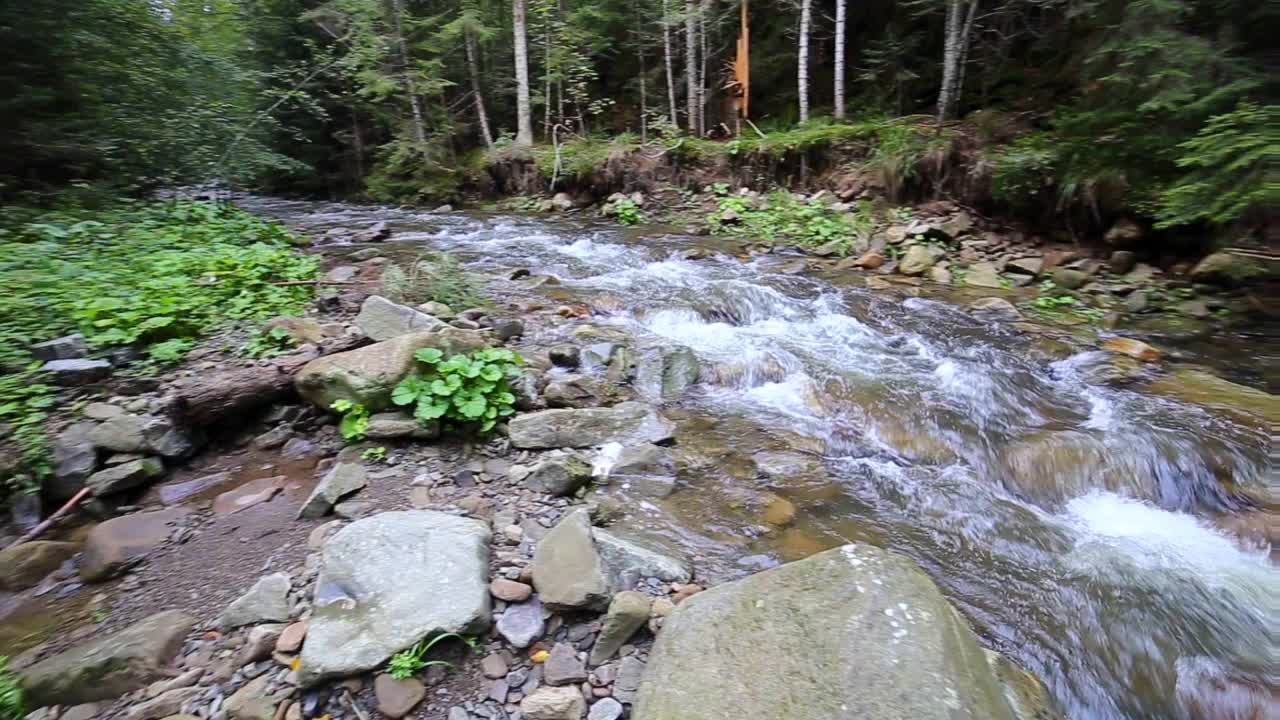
x: 563, y: 666
x: 397, y: 698
x: 510, y: 590
x: 494, y: 666
x: 605, y: 709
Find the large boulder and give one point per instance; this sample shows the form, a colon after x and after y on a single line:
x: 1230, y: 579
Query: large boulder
x: 114, y: 544
x: 24, y: 565
x: 853, y: 632
x: 141, y: 434
x: 1224, y: 268
x: 1124, y: 233
x: 74, y: 459
x: 984, y: 275
x: 1240, y: 402
x: 626, y: 423
x: 125, y: 476
x: 665, y: 375
x: 390, y: 580
x: 367, y: 375
x: 382, y: 319
x: 919, y: 258
x: 108, y: 666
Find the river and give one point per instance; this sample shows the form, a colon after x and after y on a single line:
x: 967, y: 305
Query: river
x: 1071, y: 523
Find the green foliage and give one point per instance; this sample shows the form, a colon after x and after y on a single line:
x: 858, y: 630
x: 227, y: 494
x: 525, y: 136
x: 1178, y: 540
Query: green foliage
x: 627, y: 212
x: 12, y: 703
x: 355, y: 420
x: 469, y: 390
x: 434, y: 277
x: 1231, y: 169
x: 271, y: 343
x: 374, y: 454
x: 581, y: 159
x: 1023, y: 171
x: 785, y: 218
x: 407, y: 663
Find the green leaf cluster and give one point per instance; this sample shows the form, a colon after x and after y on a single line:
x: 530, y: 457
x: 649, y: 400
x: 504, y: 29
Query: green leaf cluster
x: 12, y: 703
x: 407, y: 663
x: 469, y: 390
x: 627, y: 212
x: 786, y: 218
x: 355, y: 420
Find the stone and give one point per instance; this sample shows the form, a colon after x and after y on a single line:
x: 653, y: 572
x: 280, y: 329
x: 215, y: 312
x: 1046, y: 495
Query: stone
x: 1121, y: 261
x: 124, y: 476
x: 1225, y: 268
x: 778, y: 511
x: 437, y: 309
x: 995, y: 308
x: 574, y: 391
x: 870, y: 260
x: 177, y: 493
x: 302, y: 330
x: 397, y: 425
x: 252, y: 701
x: 254, y: 492
x: 1032, y: 266
x: 509, y: 590
x: 367, y: 375
x: 628, y: 612
x: 493, y: 666
x: 565, y: 356
x: 108, y: 666
x: 142, y: 434
x: 397, y: 698
x: 834, y: 644
x: 939, y: 274
x: 266, y: 601
x: 522, y: 623
x: 112, y: 545
x: 25, y: 565
x: 560, y: 476
x: 626, y: 423
x: 1124, y: 233
x: 561, y: 202
x: 342, y: 480
x: 984, y: 275
x: 291, y: 638
x: 1135, y: 349
x: 1069, y: 279
x: 665, y: 375
x: 563, y: 667
x: 101, y: 411
x: 364, y: 609
x: 605, y: 709
x: 508, y: 329
x: 273, y: 438
x: 630, y: 674
x: 75, y: 457
x: 260, y: 643
x: 568, y: 572
x: 1198, y: 309
x: 626, y: 562
x: 67, y: 347
x: 917, y: 259
x: 382, y: 319
x: 164, y: 705
x: 354, y: 509
x: 1245, y: 404
x: 555, y: 703
x: 77, y: 371
x: 84, y: 711
x: 1137, y: 302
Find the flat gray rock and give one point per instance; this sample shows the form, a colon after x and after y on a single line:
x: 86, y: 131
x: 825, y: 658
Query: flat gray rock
x: 567, y: 570
x: 344, y: 479
x: 382, y: 319
x: 125, y: 476
x: 266, y: 601
x: 626, y: 423
x: 390, y: 580
x: 522, y: 623
x: 626, y: 561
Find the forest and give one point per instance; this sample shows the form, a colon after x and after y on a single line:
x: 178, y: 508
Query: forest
x: 1070, y: 112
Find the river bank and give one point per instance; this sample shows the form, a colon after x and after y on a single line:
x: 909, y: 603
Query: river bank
x: 1032, y: 472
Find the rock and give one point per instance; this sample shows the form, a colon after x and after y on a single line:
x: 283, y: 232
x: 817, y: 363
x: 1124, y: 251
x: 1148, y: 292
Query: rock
x: 367, y: 375
x: 1198, y: 309
x: 74, y: 459
x: 917, y: 259
x: 626, y: 562
x: 561, y: 202
x: 1121, y: 261
x: 665, y: 375
x: 1026, y: 266
x: 266, y: 601
x: 1225, y: 268
x: 397, y: 698
x: 939, y: 274
x: 567, y: 571
x: 1137, y: 302
x: 77, y: 371
x: 303, y: 330
x: 291, y: 638
x: 1124, y: 233
x: 574, y: 391
x: 382, y: 319
x: 397, y: 425
x: 273, y: 438
x: 630, y: 673
x: 365, y: 611
x: 101, y: 411
x: 983, y: 274
x: 522, y: 623
x: 509, y: 590
x: 113, y: 544
x: 563, y: 666
x: 298, y: 448
x: 25, y: 565
x: 626, y: 423
x: 1069, y: 279
x: 494, y: 666
x: 163, y: 705
x: 870, y: 260
x: 506, y: 330
x: 252, y: 702
x: 818, y: 621
x: 605, y: 709
x: 628, y: 612
x: 344, y: 479
x: 85, y: 711
x: 254, y: 492
x: 1246, y: 404
x: 645, y: 469
x: 560, y: 476
x: 554, y: 703
x: 141, y: 434
x: 109, y: 666
x: 995, y: 309
x: 67, y: 347
x: 438, y: 310
x: 565, y: 356
x: 1135, y: 349
x: 258, y: 645
x: 124, y: 476
x: 778, y: 511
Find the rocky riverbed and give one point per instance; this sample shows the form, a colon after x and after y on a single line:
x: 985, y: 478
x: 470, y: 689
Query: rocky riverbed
x: 902, y: 506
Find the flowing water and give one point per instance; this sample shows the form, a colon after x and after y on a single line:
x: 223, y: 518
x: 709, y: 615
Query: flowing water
x: 1071, y: 523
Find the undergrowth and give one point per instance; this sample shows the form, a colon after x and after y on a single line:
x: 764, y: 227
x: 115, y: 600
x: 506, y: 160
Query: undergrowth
x: 153, y: 277
x: 12, y: 703
x: 781, y: 216
x: 464, y: 390
x: 431, y: 277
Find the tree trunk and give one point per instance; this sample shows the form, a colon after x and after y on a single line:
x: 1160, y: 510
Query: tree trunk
x: 524, y: 123
x: 691, y: 64
x: 666, y: 56
x: 955, y: 51
x: 806, y: 18
x: 546, y: 77
x: 644, y: 97
x: 473, y: 69
x: 396, y: 8
x: 838, y: 109
x: 703, y: 83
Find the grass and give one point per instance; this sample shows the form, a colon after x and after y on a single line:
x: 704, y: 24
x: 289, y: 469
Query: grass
x: 783, y: 217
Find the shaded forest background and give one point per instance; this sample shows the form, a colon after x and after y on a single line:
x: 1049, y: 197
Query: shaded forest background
x: 1076, y: 111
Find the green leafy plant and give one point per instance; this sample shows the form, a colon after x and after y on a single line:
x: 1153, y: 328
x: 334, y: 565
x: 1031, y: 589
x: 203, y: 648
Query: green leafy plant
x: 434, y: 277
x: 407, y: 663
x: 374, y: 454
x: 273, y: 342
x: 784, y: 217
x: 355, y: 420
x: 12, y: 701
x: 626, y: 212
x: 465, y: 389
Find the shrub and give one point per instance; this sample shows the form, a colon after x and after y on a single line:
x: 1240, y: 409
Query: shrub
x: 355, y: 420
x: 436, y: 277
x: 788, y: 218
x: 470, y: 390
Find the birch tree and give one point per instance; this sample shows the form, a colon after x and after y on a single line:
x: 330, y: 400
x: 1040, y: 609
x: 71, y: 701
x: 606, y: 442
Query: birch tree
x: 524, y: 122
x: 691, y: 64
x: 395, y: 9
x: 666, y: 58
x: 806, y: 19
x: 955, y: 51
x: 839, y: 73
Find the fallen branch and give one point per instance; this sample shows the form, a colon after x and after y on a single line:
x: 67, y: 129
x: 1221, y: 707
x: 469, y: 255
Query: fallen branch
x: 753, y: 127
x: 48, y: 522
